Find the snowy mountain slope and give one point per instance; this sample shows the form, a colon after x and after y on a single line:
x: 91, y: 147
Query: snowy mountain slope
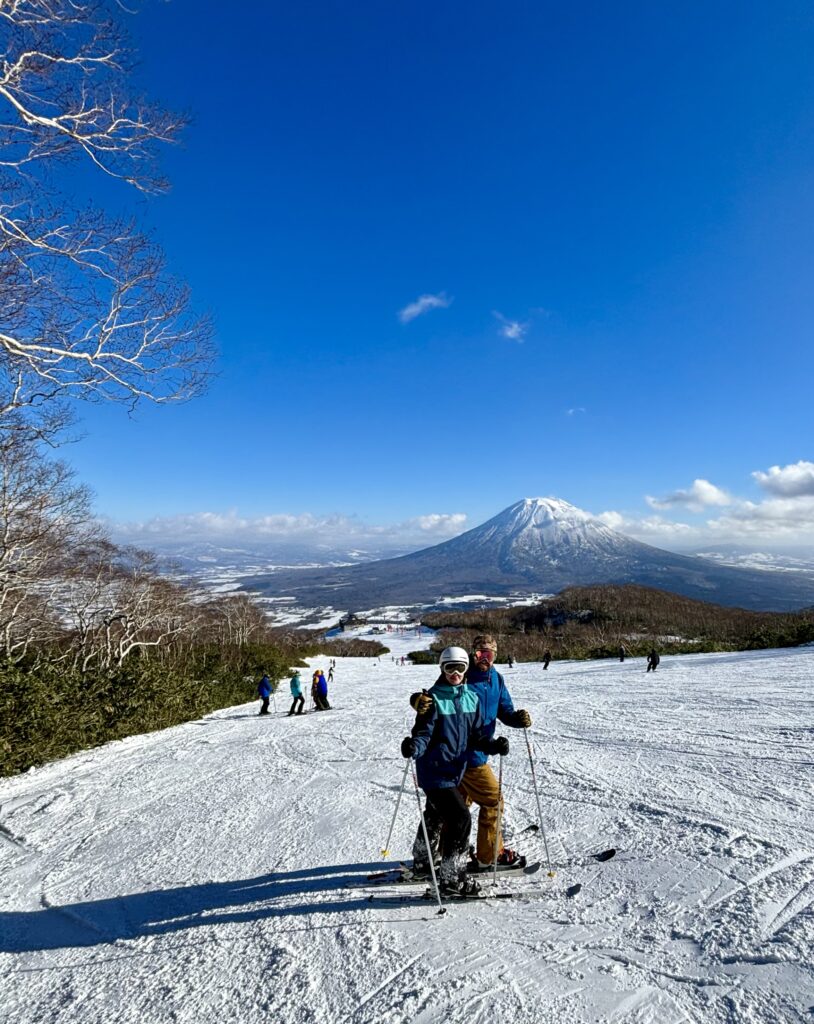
x: 537, y: 544
x: 208, y: 873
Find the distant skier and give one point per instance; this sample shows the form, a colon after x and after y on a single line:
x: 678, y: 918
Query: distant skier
x: 331, y: 673
x: 622, y: 653
x: 479, y: 784
x: 442, y: 739
x: 653, y: 661
x: 321, y: 695
x: 511, y: 661
x: 264, y: 692
x: 296, y: 693
x: 546, y: 660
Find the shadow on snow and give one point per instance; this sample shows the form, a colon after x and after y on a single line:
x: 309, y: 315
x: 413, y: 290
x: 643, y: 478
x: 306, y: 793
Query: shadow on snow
x: 160, y: 912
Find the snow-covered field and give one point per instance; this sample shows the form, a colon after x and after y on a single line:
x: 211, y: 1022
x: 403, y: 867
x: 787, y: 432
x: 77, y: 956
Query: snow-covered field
x: 215, y: 871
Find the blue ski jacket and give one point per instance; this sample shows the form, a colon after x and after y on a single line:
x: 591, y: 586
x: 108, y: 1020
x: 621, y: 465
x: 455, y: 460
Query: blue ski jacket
x: 446, y: 734
x: 296, y: 685
x: 264, y: 688
x: 322, y: 686
x: 495, y: 703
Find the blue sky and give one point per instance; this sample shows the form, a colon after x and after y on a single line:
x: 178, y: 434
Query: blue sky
x: 611, y: 206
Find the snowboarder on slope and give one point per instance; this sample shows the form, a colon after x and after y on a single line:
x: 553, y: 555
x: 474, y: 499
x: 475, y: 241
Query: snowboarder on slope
x: 653, y: 661
x: 442, y: 740
x: 479, y: 784
x: 546, y: 660
x: 264, y: 692
x: 296, y: 693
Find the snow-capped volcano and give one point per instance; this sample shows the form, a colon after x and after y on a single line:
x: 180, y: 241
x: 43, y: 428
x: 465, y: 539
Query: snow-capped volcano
x: 545, y: 529
x: 537, y: 545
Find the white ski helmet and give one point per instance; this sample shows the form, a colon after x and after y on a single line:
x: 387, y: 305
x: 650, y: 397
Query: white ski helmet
x: 454, y: 654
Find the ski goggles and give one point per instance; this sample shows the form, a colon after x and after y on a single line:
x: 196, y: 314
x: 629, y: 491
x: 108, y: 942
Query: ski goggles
x: 484, y: 655
x: 453, y: 667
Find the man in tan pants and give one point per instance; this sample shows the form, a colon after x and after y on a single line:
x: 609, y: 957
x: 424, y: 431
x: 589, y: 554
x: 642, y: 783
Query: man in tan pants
x: 479, y: 785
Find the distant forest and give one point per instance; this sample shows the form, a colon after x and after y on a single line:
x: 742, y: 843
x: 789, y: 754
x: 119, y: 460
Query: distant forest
x: 595, y: 622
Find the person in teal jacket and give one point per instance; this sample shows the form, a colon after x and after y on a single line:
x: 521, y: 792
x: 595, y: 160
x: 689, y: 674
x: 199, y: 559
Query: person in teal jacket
x: 479, y: 784
x: 442, y: 742
x: 296, y: 693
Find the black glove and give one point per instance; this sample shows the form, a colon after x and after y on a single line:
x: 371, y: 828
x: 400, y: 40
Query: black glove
x: 519, y: 720
x: 421, y: 702
x: 407, y: 746
x: 500, y: 745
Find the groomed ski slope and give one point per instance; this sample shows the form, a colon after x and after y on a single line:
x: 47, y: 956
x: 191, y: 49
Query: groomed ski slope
x: 204, y: 873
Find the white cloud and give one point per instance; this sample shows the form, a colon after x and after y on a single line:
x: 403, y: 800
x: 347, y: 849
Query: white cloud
x: 575, y: 410
x: 448, y: 525
x: 514, y: 330
x: 785, y: 519
x: 776, y: 523
x: 701, y: 495
x: 286, y: 529
x: 795, y: 480
x: 651, y: 529
x: 780, y: 519
x: 423, y: 304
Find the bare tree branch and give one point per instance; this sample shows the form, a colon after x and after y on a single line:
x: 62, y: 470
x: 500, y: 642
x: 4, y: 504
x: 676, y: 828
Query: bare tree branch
x: 87, y: 307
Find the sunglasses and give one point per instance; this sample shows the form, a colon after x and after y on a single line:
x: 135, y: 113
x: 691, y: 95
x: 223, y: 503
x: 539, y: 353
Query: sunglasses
x: 455, y: 667
x: 485, y: 655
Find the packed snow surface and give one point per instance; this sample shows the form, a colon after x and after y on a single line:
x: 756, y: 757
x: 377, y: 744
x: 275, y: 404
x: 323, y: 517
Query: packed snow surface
x: 217, y: 871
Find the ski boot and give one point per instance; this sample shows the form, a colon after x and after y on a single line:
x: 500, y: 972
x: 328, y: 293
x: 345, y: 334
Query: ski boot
x: 507, y: 860
x: 462, y: 888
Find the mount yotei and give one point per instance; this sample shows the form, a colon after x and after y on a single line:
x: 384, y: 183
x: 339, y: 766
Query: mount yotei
x: 538, y: 545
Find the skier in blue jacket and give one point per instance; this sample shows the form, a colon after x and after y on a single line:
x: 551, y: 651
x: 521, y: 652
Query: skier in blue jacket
x: 264, y: 692
x: 442, y: 741
x: 479, y: 784
x: 321, y: 693
x: 296, y: 693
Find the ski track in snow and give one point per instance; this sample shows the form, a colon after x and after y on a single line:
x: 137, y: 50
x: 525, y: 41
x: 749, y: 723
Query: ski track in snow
x: 213, y: 872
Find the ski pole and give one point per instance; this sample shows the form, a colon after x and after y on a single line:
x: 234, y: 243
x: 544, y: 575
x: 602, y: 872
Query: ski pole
x: 430, y: 856
x: 274, y: 700
x: 386, y: 850
x: 499, y: 819
x: 537, y: 797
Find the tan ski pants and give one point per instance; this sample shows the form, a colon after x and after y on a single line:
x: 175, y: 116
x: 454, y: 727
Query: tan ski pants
x: 479, y: 786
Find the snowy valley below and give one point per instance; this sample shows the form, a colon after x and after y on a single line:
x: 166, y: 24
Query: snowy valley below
x: 216, y: 871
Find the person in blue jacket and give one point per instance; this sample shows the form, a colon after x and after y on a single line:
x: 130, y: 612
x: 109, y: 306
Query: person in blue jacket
x: 321, y: 693
x: 442, y: 741
x: 479, y: 784
x: 296, y: 693
x: 264, y: 692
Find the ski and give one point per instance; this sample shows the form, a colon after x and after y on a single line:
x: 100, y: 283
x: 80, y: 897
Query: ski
x: 402, y: 875
x: 601, y: 857
x: 523, y: 869
x: 429, y: 897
